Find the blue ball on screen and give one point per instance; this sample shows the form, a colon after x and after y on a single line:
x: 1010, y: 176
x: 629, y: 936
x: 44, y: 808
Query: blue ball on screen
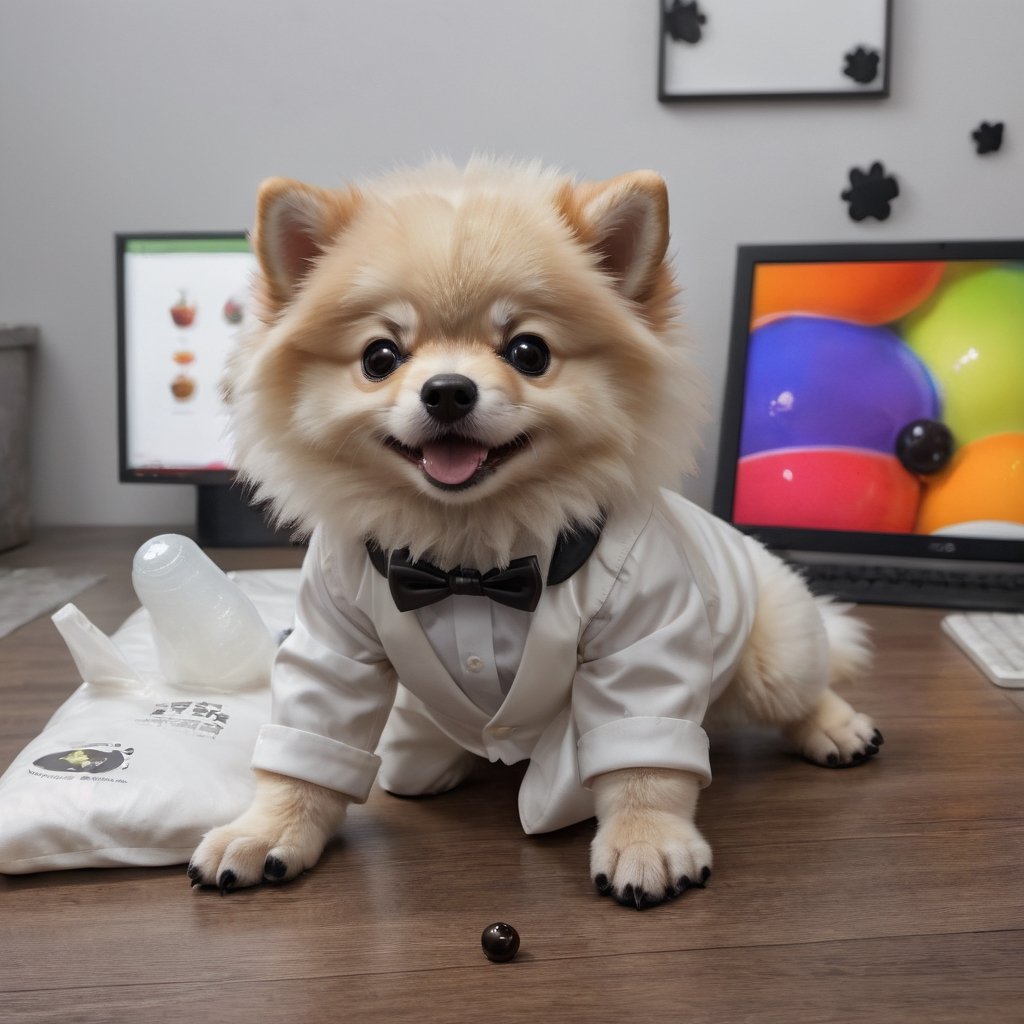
x: 816, y: 381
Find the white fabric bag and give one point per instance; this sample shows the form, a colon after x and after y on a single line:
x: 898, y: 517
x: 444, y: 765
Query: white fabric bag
x: 132, y: 770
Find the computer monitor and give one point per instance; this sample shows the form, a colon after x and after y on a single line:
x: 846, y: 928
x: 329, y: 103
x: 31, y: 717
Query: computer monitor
x: 181, y: 300
x: 874, y: 404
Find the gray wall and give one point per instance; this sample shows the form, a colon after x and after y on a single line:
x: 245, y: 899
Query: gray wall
x: 121, y: 115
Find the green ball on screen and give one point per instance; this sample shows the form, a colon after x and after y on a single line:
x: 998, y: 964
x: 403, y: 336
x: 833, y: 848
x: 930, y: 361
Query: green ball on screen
x: 970, y: 335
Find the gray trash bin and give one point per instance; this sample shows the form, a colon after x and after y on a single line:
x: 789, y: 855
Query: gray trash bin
x: 16, y: 353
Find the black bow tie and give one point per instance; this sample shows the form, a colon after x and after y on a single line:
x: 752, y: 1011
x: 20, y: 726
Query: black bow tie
x: 417, y: 584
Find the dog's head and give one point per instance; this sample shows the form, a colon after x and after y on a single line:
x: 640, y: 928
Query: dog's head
x: 462, y: 361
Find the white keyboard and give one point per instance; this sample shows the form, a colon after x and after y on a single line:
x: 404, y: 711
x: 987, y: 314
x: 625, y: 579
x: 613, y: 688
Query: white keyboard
x: 994, y: 641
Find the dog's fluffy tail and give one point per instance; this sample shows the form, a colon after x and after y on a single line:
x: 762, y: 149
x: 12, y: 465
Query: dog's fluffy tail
x: 799, y: 644
x: 849, y: 647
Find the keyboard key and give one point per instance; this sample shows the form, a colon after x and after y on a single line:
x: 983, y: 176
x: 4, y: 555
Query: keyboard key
x: 939, y: 588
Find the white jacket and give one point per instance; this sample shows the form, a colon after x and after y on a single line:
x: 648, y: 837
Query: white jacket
x: 620, y: 664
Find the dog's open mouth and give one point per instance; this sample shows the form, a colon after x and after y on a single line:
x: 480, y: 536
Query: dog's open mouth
x: 454, y: 463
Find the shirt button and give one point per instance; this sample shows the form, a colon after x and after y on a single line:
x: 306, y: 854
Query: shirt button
x: 474, y: 664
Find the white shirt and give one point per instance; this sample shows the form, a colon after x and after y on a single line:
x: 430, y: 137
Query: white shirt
x: 479, y: 642
x: 614, y: 669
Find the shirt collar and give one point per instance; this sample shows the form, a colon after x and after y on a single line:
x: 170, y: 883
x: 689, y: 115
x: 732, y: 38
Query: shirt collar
x: 573, y: 547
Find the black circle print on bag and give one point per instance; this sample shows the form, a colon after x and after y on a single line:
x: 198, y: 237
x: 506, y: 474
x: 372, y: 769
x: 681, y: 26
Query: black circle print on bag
x: 82, y: 759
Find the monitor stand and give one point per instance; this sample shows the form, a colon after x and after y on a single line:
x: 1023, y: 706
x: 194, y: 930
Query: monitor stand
x: 226, y: 519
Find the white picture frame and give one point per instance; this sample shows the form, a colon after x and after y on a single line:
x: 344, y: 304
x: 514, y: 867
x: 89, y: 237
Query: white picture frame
x: 773, y: 49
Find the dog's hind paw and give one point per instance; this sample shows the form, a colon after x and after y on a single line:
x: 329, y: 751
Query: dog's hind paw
x: 834, y: 735
x: 644, y: 858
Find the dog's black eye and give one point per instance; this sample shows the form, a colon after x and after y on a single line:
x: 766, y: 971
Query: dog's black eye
x: 381, y: 359
x: 528, y: 354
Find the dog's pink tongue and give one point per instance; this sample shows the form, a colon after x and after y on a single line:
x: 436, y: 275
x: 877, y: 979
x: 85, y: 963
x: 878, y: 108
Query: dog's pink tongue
x: 452, y: 461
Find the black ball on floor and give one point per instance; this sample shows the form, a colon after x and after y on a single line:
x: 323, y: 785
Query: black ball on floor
x: 500, y: 942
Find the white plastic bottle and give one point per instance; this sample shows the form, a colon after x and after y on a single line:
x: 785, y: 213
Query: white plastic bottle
x: 208, y: 633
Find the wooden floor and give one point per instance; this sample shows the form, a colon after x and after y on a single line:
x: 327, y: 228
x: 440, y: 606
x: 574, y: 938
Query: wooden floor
x: 890, y: 892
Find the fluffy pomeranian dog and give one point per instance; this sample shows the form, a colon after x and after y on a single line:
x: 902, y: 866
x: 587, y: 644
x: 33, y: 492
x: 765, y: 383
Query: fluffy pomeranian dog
x: 469, y: 387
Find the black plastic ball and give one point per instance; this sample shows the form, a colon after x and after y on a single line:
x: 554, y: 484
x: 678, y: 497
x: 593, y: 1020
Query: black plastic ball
x: 500, y: 942
x: 924, y: 446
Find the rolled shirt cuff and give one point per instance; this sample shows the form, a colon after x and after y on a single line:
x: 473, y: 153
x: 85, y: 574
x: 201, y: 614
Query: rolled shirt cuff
x: 642, y: 742
x: 317, y: 759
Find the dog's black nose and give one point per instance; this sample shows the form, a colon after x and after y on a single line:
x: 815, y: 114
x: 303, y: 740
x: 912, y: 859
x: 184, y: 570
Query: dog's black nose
x: 448, y: 396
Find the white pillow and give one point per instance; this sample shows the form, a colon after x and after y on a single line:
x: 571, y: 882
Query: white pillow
x: 130, y: 770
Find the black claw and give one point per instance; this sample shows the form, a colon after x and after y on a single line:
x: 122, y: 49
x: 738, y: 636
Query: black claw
x: 877, y: 739
x: 871, y: 750
x: 195, y: 874
x: 678, y: 889
x: 833, y: 760
x: 227, y: 881
x: 274, y: 867
x: 636, y: 897
x: 602, y: 883
x: 685, y: 883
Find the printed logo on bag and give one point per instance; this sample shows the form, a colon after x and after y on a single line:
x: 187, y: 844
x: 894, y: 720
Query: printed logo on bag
x: 202, y: 718
x: 87, y: 761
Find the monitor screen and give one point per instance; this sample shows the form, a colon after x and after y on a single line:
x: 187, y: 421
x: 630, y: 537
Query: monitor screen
x: 875, y: 399
x: 182, y: 298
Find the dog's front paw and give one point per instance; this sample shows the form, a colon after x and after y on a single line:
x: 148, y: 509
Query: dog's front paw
x: 281, y: 835
x: 247, y: 852
x: 642, y: 858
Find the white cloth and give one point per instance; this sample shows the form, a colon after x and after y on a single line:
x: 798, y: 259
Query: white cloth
x: 619, y: 665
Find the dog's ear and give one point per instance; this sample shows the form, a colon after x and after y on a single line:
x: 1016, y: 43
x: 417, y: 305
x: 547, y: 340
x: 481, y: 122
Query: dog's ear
x: 294, y: 224
x: 625, y: 222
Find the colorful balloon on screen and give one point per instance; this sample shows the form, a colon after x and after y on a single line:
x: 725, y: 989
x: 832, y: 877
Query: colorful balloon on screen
x: 985, y: 481
x: 815, y: 381
x: 885, y: 397
x: 826, y: 489
x: 971, y: 337
x: 865, y: 293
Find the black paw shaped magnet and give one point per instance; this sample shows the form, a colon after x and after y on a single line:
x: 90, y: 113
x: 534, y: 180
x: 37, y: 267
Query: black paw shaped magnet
x: 870, y: 194
x: 988, y: 137
x: 861, y: 65
x: 683, y: 21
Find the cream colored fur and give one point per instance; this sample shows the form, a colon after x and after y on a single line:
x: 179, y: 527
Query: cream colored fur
x: 448, y: 264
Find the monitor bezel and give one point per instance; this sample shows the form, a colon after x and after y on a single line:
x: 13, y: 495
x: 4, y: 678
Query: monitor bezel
x: 908, y: 545
x: 132, y: 474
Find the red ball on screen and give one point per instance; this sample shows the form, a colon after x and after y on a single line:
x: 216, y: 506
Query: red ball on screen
x: 826, y: 489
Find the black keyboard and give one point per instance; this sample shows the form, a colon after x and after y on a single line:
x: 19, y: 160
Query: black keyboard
x: 934, y: 588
